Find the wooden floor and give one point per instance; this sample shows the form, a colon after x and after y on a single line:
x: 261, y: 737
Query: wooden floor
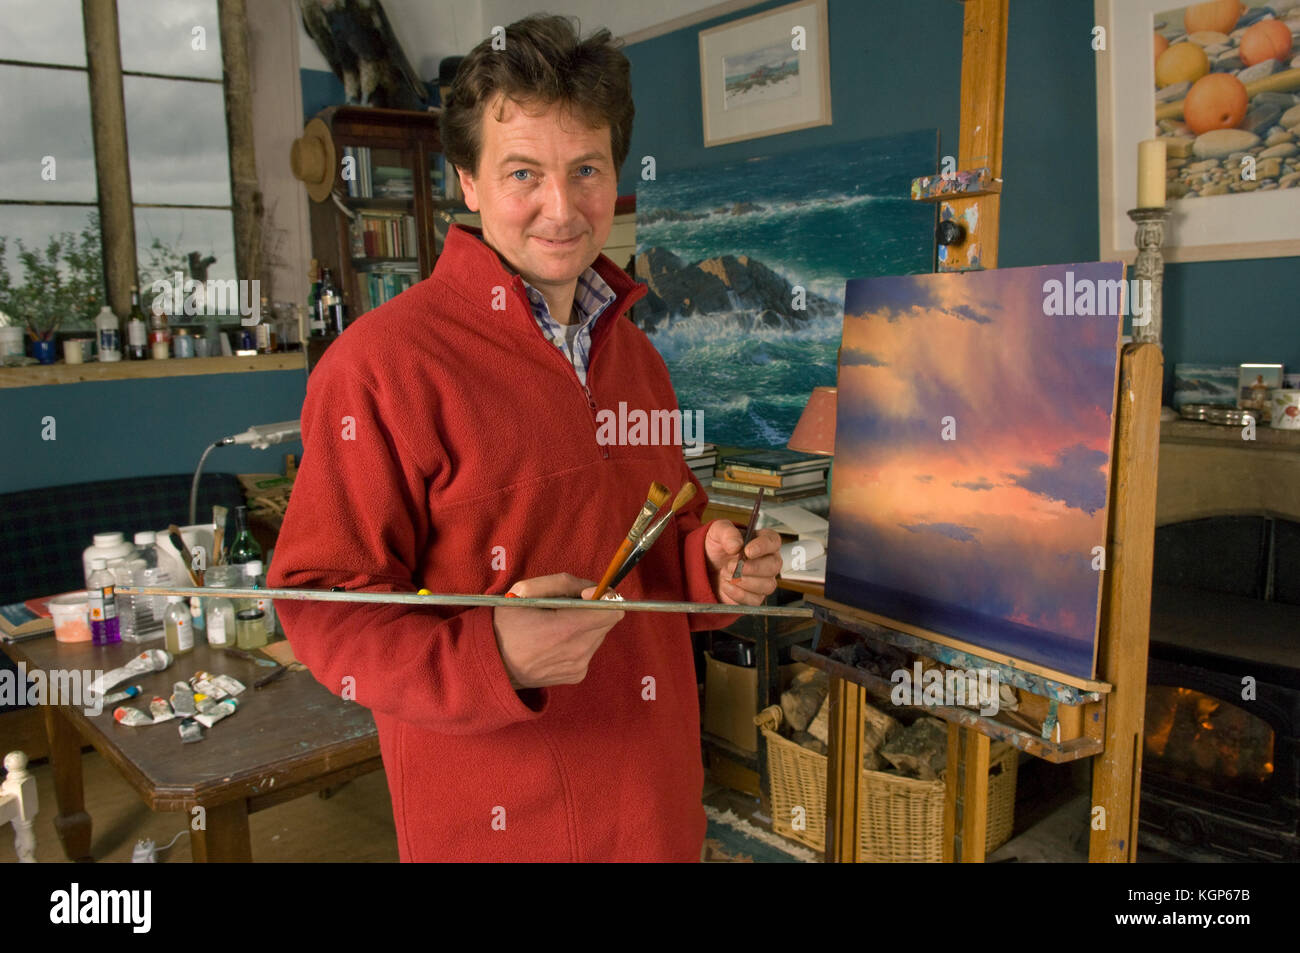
x: 354, y: 824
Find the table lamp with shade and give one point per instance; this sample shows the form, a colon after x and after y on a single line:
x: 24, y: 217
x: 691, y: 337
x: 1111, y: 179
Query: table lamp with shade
x: 815, y: 432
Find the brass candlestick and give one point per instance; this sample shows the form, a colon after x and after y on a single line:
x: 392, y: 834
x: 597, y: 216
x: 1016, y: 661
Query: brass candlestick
x: 1150, y: 267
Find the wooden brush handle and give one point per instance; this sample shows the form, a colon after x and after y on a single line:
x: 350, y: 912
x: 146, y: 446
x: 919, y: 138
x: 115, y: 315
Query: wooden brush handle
x: 614, y: 564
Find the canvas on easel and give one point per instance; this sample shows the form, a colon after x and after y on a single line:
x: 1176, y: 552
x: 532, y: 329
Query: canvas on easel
x: 972, y: 456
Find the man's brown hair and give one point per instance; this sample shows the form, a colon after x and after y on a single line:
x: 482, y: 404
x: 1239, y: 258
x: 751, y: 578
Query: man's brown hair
x: 544, y: 62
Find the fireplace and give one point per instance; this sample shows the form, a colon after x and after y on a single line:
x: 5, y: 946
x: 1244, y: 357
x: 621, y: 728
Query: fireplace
x: 1221, y: 740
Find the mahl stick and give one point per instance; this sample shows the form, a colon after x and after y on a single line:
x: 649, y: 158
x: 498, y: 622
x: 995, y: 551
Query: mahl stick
x: 684, y: 496
x: 655, y: 498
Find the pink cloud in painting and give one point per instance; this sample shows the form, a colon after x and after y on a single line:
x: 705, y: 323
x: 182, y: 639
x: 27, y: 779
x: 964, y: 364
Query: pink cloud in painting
x: 987, y: 536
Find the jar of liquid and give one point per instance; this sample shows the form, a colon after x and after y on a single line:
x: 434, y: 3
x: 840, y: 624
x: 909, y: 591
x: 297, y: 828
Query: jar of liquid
x: 178, y: 627
x: 222, y: 630
x: 250, y: 628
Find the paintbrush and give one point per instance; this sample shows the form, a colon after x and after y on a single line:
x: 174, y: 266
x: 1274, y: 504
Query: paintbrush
x: 684, y: 496
x: 174, y: 534
x: 219, y: 522
x: 655, y: 499
x: 749, y: 532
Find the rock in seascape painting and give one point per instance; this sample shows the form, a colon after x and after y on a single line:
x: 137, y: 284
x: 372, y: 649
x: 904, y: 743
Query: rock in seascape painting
x: 972, y: 455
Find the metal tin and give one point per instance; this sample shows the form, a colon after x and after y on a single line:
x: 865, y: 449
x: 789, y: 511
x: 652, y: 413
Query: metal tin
x: 1217, y: 414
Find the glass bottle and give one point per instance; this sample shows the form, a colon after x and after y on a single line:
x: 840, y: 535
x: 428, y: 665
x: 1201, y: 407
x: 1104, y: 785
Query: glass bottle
x: 159, y: 334
x: 244, y: 548
x: 329, y: 304
x: 221, y: 610
x: 255, y: 580
x: 103, y: 606
x: 177, y: 626
x: 137, y: 330
x: 317, y: 326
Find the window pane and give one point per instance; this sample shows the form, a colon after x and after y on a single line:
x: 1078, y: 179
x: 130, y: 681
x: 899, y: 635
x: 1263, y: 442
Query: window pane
x: 176, y: 136
x: 43, y: 31
x: 179, y: 232
x: 47, y: 113
x: 34, y: 226
x: 160, y: 36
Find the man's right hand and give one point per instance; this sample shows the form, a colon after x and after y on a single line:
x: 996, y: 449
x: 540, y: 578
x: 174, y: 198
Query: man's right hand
x: 542, y: 647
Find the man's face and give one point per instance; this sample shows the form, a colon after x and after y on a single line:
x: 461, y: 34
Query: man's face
x: 545, y: 189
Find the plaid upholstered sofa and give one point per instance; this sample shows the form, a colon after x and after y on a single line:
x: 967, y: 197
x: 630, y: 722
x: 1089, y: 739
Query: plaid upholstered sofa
x: 43, y: 532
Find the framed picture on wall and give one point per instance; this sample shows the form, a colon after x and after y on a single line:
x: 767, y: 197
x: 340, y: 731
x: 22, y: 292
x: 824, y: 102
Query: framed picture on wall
x: 765, y: 74
x: 1220, y: 83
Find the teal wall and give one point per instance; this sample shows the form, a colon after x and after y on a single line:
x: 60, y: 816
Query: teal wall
x: 110, y: 429
x: 897, y: 67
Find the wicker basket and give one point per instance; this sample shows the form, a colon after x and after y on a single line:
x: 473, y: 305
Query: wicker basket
x: 902, y: 818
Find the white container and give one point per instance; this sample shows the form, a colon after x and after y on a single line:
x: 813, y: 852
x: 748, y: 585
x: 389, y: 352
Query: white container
x: 11, y: 342
x: 71, y: 615
x: 108, y: 547
x: 109, y: 335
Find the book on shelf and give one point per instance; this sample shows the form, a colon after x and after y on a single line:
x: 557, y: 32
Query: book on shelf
x: 749, y: 490
x: 773, y: 480
x: 376, y: 233
x: 773, y: 461
x: 736, y: 507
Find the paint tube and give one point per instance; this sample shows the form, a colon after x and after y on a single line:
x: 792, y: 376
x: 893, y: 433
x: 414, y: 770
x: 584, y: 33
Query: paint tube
x: 133, y: 717
x: 153, y: 660
x: 161, y: 709
x: 223, y: 709
x: 129, y: 692
x: 183, y: 699
x: 229, y: 684
x: 190, y: 731
x: 204, y: 703
x: 206, y: 686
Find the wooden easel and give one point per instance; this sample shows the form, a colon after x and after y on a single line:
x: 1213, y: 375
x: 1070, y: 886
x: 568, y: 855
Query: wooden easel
x: 1114, y: 705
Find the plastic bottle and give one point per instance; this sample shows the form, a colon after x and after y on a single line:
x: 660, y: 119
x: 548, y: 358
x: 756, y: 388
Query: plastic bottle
x: 103, y: 604
x: 153, y: 574
x: 179, y: 630
x: 107, y: 546
x: 134, y: 613
x: 108, y: 334
x: 253, y: 571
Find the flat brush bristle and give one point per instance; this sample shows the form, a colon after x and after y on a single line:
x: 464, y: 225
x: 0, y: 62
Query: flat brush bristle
x: 658, y: 494
x: 684, y: 496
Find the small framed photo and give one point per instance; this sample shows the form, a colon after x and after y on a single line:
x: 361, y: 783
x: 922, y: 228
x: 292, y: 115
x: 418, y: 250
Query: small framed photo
x: 1253, y: 387
x: 765, y: 74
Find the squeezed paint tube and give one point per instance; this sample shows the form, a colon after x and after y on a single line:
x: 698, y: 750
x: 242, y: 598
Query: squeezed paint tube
x: 153, y: 660
x: 229, y: 684
x: 190, y: 731
x: 207, y: 687
x: 224, y: 708
x: 183, y: 699
x: 133, y: 717
x: 129, y: 692
x: 161, y: 710
x: 205, y: 703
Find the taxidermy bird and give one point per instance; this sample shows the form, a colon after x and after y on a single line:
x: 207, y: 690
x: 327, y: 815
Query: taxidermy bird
x: 358, y: 43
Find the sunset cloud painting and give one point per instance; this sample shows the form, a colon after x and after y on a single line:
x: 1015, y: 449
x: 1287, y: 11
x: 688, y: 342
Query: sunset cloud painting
x: 972, y: 457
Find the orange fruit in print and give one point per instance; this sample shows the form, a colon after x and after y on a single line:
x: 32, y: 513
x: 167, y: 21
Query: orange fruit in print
x: 1161, y: 44
x: 1217, y: 101
x: 1182, y: 62
x: 1265, y: 40
x: 1218, y: 15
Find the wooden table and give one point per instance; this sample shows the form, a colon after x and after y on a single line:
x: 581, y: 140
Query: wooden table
x: 288, y: 739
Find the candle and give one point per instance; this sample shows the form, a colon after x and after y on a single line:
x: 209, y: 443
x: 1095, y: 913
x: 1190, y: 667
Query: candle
x: 1151, y: 173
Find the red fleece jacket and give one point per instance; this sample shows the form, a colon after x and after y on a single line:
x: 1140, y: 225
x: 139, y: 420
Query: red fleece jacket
x: 448, y: 445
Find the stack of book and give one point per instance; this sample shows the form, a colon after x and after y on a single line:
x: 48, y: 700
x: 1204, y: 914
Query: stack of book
x: 786, y: 475
x: 702, y: 460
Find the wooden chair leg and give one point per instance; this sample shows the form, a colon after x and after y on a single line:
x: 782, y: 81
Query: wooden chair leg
x: 19, y: 788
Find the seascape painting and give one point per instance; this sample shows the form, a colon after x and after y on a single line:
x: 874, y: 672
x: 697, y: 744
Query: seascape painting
x: 760, y: 76
x: 972, y: 456
x: 747, y: 262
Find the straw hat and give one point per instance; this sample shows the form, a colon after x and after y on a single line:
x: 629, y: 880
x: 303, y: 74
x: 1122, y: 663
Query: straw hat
x: 313, y: 161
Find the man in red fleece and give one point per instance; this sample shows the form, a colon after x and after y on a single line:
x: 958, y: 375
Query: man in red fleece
x: 452, y: 442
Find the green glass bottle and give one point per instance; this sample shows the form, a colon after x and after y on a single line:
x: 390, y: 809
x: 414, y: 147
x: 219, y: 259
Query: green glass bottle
x: 244, y: 548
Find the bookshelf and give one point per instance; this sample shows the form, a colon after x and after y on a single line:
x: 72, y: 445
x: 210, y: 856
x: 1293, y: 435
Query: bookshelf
x: 378, y: 232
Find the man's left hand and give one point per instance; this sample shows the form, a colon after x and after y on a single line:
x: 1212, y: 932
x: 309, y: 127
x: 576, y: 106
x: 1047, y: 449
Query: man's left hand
x: 762, y: 563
